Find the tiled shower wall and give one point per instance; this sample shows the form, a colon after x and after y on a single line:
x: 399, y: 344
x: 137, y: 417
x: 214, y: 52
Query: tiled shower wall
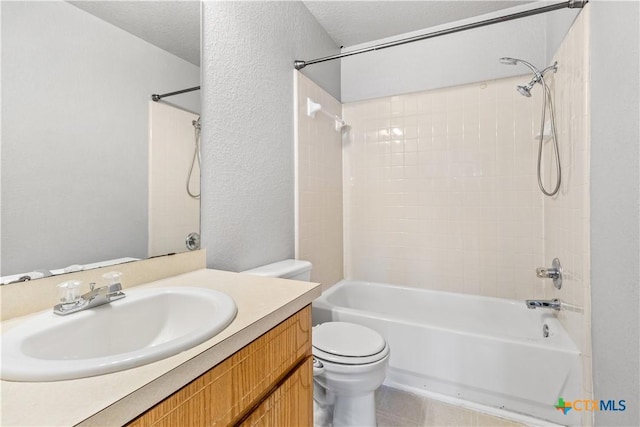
x: 566, y: 216
x: 441, y: 191
x: 318, y: 185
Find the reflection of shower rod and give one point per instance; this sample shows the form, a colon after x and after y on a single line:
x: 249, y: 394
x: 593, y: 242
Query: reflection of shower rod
x: 314, y: 107
x: 155, y: 97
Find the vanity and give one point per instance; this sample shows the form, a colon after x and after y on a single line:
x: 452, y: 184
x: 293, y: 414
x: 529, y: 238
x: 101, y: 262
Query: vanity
x: 257, y: 371
x: 92, y: 105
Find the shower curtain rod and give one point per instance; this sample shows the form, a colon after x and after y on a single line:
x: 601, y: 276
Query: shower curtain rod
x: 157, y: 97
x: 572, y: 4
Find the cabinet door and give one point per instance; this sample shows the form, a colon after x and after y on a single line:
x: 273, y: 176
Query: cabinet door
x: 225, y: 394
x: 291, y: 404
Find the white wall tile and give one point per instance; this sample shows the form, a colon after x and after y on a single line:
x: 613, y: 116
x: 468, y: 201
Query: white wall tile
x: 445, y: 222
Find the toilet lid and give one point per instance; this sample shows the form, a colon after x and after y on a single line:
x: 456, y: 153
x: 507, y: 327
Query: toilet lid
x: 347, y: 339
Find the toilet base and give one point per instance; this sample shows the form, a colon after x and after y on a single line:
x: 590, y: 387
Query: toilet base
x: 322, y: 415
x: 350, y: 411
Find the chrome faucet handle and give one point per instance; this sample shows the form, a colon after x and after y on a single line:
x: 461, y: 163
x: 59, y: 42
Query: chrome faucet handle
x: 555, y: 273
x: 547, y: 273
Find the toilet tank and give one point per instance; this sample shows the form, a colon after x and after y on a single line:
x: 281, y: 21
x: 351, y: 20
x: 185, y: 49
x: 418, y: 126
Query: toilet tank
x: 294, y: 269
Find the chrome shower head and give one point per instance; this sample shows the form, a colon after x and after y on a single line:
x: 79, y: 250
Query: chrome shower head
x: 514, y: 61
x: 196, y: 124
x: 524, y: 90
x: 537, y: 75
x: 508, y: 61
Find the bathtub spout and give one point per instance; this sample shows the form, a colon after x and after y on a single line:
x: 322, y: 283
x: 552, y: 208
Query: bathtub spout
x: 535, y: 303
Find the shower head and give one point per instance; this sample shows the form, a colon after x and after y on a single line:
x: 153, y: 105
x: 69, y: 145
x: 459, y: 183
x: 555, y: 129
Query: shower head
x: 525, y: 90
x: 514, y: 61
x: 537, y: 74
x: 508, y: 61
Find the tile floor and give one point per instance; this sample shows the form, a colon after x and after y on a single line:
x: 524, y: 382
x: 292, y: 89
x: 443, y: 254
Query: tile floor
x: 400, y: 408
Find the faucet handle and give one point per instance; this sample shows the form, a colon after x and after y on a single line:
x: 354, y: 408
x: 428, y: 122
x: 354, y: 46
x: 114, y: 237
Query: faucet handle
x: 69, y: 293
x: 555, y: 273
x: 114, y: 287
x: 112, y: 277
x: 547, y: 273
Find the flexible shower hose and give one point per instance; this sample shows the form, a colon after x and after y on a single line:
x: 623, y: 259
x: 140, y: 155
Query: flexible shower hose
x: 547, y: 98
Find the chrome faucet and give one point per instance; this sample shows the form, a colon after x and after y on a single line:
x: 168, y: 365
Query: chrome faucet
x: 94, y: 298
x: 553, y: 304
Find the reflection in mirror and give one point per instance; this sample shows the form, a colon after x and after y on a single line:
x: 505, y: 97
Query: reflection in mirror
x: 93, y: 170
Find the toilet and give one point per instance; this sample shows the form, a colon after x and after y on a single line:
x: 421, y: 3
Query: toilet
x: 349, y: 361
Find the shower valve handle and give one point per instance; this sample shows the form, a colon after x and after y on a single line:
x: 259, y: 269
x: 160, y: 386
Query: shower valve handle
x: 547, y: 273
x: 555, y: 273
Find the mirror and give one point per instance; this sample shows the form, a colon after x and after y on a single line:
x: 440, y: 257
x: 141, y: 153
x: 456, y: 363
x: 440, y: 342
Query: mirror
x: 83, y: 179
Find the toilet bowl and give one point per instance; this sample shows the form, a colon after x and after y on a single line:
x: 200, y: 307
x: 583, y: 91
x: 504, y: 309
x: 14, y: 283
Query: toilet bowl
x: 349, y: 361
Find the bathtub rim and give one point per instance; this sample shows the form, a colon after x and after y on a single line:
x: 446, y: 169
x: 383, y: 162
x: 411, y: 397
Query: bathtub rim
x: 323, y: 303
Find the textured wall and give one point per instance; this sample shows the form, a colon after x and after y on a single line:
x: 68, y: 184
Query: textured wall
x: 247, y: 137
x: 319, y: 185
x: 461, y: 58
x: 75, y: 91
x: 615, y: 249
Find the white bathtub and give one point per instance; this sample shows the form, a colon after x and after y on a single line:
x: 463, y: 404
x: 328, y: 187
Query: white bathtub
x: 489, y: 351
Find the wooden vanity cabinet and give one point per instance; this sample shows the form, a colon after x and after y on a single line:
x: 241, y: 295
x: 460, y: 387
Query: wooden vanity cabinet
x: 269, y: 382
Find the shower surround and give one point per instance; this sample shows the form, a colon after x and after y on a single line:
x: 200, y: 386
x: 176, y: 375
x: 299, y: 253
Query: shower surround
x: 441, y: 190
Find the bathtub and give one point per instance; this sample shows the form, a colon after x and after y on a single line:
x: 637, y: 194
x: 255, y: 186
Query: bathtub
x: 489, y: 352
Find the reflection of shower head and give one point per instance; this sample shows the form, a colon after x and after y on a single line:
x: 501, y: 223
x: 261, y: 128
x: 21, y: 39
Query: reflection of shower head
x: 537, y: 74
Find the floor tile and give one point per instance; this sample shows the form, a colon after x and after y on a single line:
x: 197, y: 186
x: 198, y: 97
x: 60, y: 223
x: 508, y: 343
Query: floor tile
x: 399, y: 408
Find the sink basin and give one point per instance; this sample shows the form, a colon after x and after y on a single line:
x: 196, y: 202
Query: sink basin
x: 148, y: 325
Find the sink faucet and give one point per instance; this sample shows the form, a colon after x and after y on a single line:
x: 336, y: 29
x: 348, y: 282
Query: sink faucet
x: 70, y: 303
x: 537, y: 303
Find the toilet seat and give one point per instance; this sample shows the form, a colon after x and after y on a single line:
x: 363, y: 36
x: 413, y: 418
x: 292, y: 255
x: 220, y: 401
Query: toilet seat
x: 348, y: 344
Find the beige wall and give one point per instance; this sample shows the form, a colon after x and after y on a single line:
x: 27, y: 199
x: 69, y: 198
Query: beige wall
x: 318, y: 185
x: 441, y: 191
x: 566, y: 216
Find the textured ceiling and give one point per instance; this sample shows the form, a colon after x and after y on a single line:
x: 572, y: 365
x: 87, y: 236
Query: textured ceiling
x: 171, y: 25
x: 354, y: 22
x: 175, y: 25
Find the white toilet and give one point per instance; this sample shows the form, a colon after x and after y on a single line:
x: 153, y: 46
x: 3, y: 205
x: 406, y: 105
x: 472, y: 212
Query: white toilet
x: 350, y: 361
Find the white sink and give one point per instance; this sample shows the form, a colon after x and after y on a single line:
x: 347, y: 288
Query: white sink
x: 148, y: 325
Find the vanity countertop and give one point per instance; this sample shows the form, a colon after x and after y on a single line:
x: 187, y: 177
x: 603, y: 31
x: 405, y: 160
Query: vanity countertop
x: 114, y: 399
